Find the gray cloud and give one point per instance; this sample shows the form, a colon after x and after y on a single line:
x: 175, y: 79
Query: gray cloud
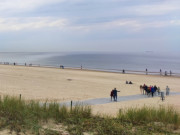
x: 86, y: 25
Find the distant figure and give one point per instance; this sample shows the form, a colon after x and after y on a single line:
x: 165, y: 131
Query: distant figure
x: 162, y: 96
x: 141, y: 88
x: 167, y: 90
x: 112, y: 95
x: 165, y: 73
x: 14, y: 63
x: 160, y: 72
x: 158, y: 90
x: 61, y: 66
x: 170, y: 73
x: 149, y: 90
x: 145, y: 89
x: 123, y: 71
x: 130, y: 82
x: 152, y: 91
x: 127, y: 82
x: 81, y: 67
x: 155, y: 89
x: 25, y: 64
x: 146, y: 71
x: 115, y: 94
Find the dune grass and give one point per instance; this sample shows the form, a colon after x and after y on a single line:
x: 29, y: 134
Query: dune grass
x: 22, y: 116
x: 165, y: 115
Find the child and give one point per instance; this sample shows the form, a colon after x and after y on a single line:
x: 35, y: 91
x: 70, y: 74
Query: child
x: 112, y: 95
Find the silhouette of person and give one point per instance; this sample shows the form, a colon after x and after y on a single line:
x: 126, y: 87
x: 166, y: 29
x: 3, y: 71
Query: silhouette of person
x: 112, y: 95
x: 115, y: 94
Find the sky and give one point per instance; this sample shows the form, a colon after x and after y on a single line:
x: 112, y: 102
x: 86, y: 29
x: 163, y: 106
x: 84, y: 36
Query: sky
x: 89, y: 25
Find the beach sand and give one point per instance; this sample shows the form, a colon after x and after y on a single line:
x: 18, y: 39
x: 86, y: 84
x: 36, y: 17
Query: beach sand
x: 68, y: 84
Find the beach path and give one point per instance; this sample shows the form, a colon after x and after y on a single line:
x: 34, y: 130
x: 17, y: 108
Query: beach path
x: 98, y: 101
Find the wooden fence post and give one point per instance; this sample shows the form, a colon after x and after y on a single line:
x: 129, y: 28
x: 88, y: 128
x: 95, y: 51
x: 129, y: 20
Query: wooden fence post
x: 71, y: 105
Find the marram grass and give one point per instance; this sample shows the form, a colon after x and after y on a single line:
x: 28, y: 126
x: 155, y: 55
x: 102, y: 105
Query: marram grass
x: 21, y: 116
x: 162, y: 114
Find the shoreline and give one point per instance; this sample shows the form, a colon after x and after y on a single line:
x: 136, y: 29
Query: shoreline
x: 135, y: 72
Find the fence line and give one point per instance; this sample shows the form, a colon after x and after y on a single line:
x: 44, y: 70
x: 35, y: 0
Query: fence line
x: 123, y: 71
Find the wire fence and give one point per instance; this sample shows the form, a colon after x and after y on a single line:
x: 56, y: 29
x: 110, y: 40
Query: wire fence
x: 123, y: 71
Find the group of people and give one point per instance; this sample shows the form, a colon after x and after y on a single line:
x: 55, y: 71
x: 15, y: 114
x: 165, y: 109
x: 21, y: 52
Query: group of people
x: 129, y: 82
x: 144, y: 89
x: 113, y: 94
x: 147, y: 90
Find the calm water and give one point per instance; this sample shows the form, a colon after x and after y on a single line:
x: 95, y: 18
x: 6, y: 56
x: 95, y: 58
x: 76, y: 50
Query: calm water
x: 128, y: 61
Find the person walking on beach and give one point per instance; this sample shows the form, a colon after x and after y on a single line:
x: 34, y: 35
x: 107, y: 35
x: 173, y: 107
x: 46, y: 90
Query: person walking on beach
x: 167, y: 90
x: 141, y: 89
x: 160, y: 72
x: 152, y: 91
x: 112, y: 95
x: 146, y: 90
x: 146, y: 71
x: 155, y: 89
x: 115, y: 94
x: 158, y: 90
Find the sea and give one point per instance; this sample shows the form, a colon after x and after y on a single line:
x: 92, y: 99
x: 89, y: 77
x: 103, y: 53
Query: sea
x: 103, y: 61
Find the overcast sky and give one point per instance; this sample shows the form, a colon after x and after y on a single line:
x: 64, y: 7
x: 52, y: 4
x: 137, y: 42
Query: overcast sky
x: 89, y: 25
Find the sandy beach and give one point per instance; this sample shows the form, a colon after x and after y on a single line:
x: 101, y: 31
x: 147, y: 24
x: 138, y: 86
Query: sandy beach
x: 67, y: 84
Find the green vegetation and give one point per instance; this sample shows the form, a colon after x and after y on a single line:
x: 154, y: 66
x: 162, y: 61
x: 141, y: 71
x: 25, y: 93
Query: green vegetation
x: 138, y: 116
x: 29, y: 116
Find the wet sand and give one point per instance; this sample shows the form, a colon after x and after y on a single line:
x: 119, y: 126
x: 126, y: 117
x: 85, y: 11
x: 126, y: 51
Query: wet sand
x: 67, y: 84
